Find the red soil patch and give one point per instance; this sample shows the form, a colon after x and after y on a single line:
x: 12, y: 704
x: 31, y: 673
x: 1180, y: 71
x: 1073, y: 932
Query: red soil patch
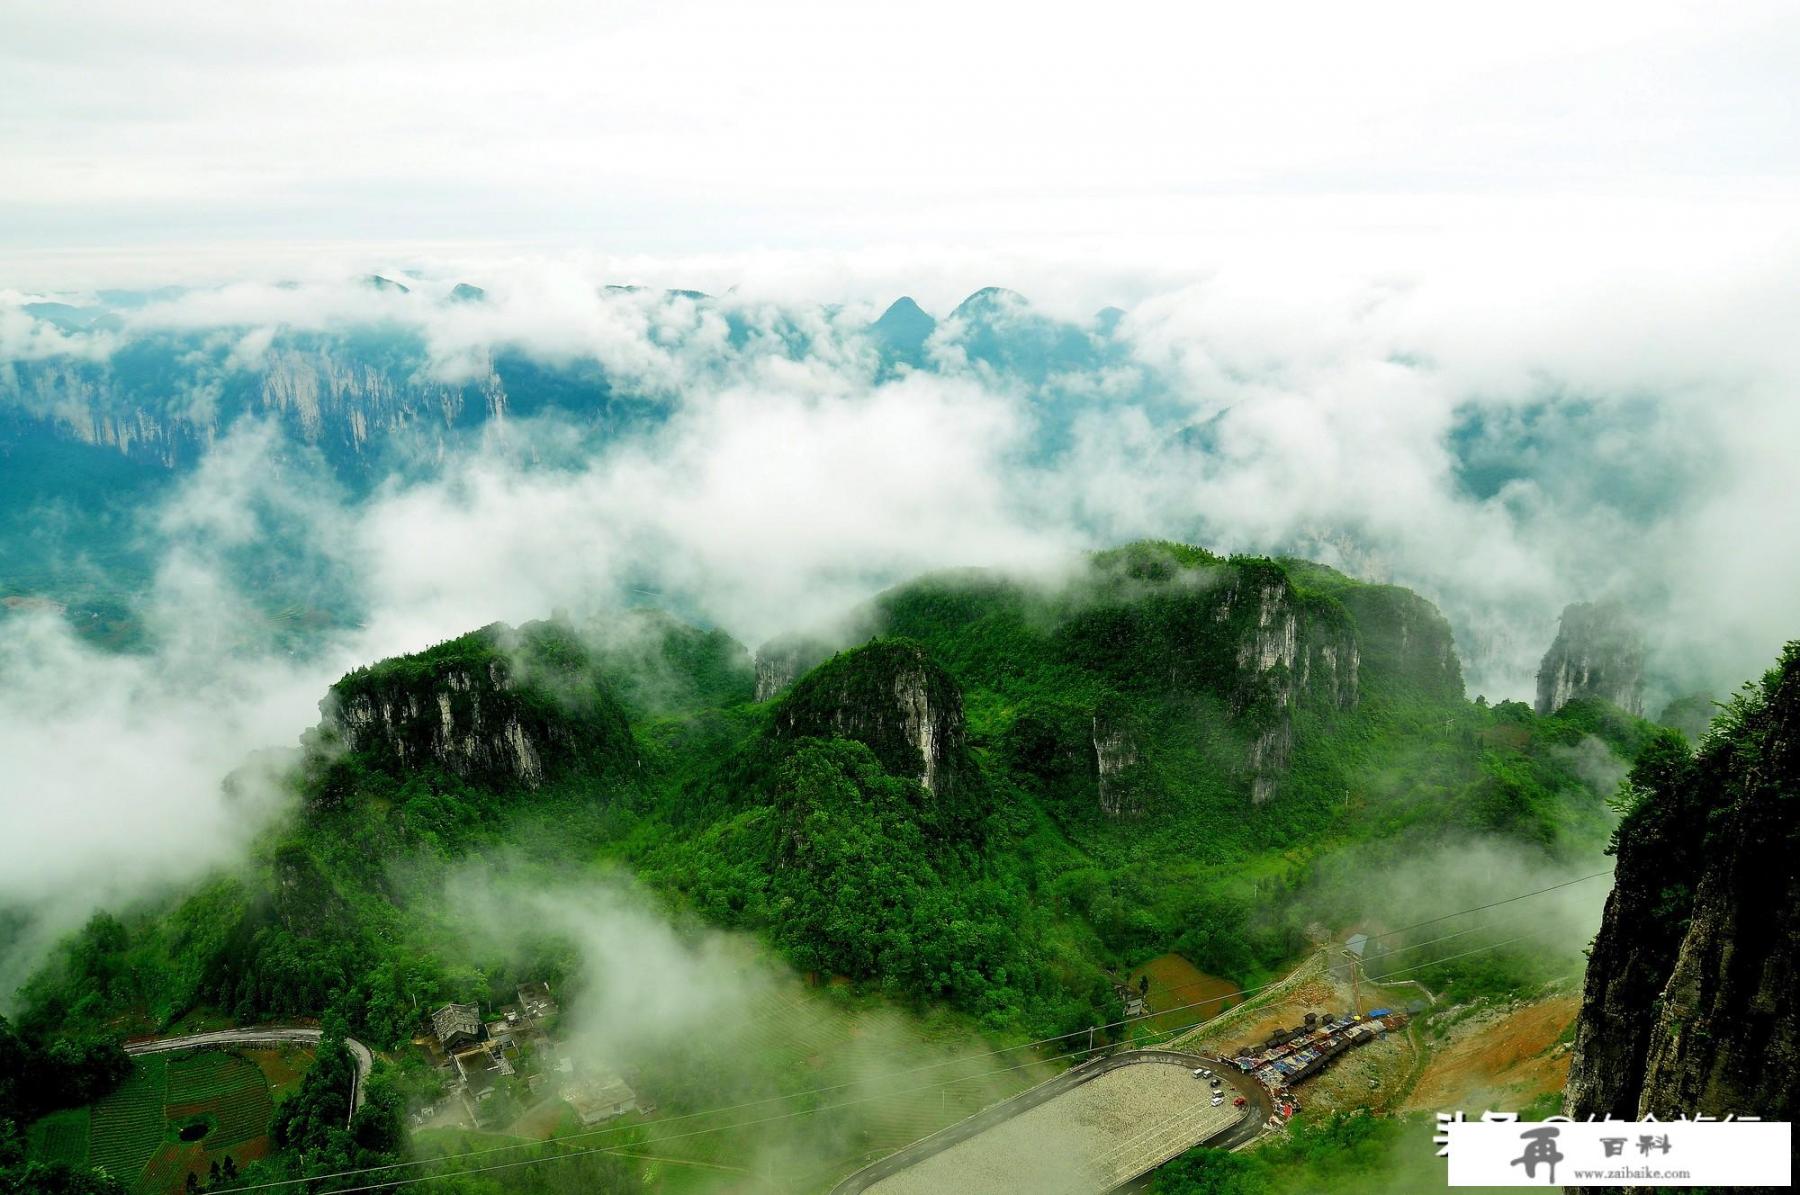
x: 1509, y: 1058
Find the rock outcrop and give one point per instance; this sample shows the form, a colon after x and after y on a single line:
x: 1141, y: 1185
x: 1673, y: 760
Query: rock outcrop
x: 1117, y: 760
x: 1285, y: 655
x: 1598, y: 652
x: 781, y: 662
x: 496, y: 705
x: 1405, y: 644
x: 1692, y: 991
x: 343, y: 398
x: 893, y: 698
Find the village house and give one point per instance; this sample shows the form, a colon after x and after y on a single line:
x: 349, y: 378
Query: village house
x: 458, y: 1026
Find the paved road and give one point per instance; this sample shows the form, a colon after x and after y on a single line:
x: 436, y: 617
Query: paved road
x: 1088, y: 1130
x: 272, y: 1036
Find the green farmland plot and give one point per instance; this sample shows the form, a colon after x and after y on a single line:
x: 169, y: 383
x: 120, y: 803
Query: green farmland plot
x: 61, y: 1137
x: 228, y: 1088
x: 128, y: 1125
x: 136, y: 1132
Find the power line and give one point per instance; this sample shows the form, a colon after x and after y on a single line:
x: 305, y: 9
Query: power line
x: 1490, y: 905
x: 1238, y: 995
x: 1433, y: 921
x: 1474, y: 929
x: 799, y: 1094
x: 391, y: 1184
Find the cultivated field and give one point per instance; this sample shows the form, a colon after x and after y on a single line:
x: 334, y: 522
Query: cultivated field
x: 135, y: 1133
x: 1178, y: 985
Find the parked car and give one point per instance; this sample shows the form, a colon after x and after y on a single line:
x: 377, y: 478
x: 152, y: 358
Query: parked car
x: 1238, y: 1102
x: 1200, y: 1072
x: 1217, y: 1100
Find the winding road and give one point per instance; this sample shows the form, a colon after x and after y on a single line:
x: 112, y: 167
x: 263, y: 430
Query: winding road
x: 269, y: 1036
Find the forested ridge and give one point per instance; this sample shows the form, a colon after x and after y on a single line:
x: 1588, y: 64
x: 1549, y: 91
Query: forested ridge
x: 988, y: 792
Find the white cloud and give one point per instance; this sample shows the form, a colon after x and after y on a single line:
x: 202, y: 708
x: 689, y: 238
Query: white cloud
x: 781, y: 489
x: 700, y: 125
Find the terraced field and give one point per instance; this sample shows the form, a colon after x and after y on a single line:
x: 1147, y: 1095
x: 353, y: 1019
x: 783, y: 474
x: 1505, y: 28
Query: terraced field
x: 61, y: 1137
x: 227, y: 1087
x: 134, y: 1132
x: 128, y: 1125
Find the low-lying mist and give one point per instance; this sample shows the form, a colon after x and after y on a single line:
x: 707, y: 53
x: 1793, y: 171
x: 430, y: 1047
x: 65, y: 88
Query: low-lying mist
x: 788, y: 1082
x: 1393, y: 425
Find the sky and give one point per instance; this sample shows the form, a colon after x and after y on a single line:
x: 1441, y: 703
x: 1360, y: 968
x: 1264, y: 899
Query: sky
x: 193, y: 138
x: 1340, y: 228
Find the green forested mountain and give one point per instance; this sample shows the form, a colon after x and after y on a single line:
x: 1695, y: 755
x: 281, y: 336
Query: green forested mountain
x: 977, y: 790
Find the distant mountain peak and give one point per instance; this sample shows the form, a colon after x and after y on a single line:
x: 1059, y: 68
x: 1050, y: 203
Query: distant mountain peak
x: 903, y: 330
x: 986, y: 300
x: 377, y: 282
x: 462, y: 292
x: 903, y: 308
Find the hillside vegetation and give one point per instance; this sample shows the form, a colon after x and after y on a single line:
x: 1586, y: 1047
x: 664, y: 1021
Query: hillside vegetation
x: 993, y: 794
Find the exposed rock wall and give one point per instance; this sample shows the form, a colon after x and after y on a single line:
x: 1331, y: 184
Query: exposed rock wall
x: 1598, y: 652
x: 1286, y: 654
x: 781, y: 662
x: 1405, y: 644
x: 1658, y: 868
x: 1117, y: 762
x: 891, y: 696
x: 1690, y: 1003
x: 167, y: 400
x: 494, y: 705
x: 1724, y: 1039
x: 326, y: 396
x: 462, y: 719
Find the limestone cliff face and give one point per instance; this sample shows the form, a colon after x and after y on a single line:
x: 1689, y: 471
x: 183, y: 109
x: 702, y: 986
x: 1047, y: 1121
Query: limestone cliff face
x: 1659, y: 861
x: 1233, y: 667
x: 781, y: 662
x: 498, y: 705
x: 1405, y: 643
x: 1690, y: 1004
x: 1285, y: 655
x: 329, y: 396
x: 169, y: 398
x: 461, y: 718
x: 891, y: 696
x: 1598, y: 652
x: 81, y: 402
x: 1117, y: 761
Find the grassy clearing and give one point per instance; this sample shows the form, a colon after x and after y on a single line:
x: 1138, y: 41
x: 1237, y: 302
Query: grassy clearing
x: 283, y: 1067
x: 1176, y: 984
